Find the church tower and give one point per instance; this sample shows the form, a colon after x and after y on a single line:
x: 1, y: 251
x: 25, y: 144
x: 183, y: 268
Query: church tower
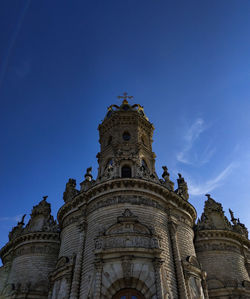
x: 127, y: 234
x: 126, y: 143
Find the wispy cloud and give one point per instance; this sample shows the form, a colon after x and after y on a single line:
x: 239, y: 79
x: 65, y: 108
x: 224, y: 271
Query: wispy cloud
x: 208, y: 186
x: 12, y: 219
x: 187, y: 156
x: 5, y: 59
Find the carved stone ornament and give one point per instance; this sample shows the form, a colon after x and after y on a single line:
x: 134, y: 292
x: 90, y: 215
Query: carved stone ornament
x: 128, y: 232
x: 195, y: 288
x: 127, y: 267
x: 166, y: 180
x: 17, y: 230
x: 40, y: 220
x: 238, y: 226
x: 182, y: 187
x: 213, y: 216
x: 70, y: 190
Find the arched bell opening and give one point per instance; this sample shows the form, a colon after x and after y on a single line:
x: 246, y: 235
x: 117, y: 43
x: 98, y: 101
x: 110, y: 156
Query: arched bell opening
x: 128, y: 294
x: 126, y: 171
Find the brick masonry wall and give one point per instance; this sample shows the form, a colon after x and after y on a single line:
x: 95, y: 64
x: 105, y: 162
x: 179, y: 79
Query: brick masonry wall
x: 107, y: 216
x: 32, y: 268
x: 225, y: 266
x: 185, y: 236
x: 69, y: 240
x: 4, y: 273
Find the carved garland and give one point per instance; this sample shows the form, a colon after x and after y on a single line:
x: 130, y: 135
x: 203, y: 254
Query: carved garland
x: 125, y: 183
x: 31, y: 237
x: 217, y: 234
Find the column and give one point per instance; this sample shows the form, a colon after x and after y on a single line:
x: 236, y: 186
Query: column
x: 181, y: 285
x: 74, y: 294
x: 98, y: 278
x: 157, y: 262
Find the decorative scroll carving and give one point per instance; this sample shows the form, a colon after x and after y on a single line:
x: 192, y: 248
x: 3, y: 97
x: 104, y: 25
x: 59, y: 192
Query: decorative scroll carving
x: 37, y: 249
x: 195, y: 288
x: 41, y: 218
x: 218, y: 246
x: 128, y: 232
x: 135, y: 200
x: 41, y: 221
x: 17, y: 230
x: 213, y: 216
x: 167, y: 182
x: 238, y: 226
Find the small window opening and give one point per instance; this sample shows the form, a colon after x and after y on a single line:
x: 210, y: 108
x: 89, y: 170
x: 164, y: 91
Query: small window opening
x: 109, y: 140
x: 126, y: 136
x: 126, y: 171
x: 144, y: 164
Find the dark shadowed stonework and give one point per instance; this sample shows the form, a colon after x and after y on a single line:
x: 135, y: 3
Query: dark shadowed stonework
x: 127, y: 234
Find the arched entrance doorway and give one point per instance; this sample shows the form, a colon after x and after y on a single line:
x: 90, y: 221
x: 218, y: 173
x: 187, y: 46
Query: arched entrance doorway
x: 128, y: 294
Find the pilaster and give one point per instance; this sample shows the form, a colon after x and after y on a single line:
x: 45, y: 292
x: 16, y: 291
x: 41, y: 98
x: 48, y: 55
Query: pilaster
x: 177, y: 259
x: 158, y: 278
x: 74, y: 294
x: 98, y: 278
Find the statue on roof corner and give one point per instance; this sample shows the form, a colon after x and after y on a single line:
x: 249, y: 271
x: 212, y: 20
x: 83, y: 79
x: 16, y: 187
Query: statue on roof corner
x: 182, y: 187
x: 17, y: 230
x: 70, y: 190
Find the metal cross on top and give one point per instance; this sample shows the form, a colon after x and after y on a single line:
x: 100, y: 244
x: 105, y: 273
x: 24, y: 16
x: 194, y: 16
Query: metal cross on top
x: 125, y: 96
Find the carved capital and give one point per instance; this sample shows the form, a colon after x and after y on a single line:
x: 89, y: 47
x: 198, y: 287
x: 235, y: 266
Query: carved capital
x: 157, y: 262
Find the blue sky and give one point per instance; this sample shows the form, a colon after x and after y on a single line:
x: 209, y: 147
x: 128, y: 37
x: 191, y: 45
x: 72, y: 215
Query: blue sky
x: 64, y: 62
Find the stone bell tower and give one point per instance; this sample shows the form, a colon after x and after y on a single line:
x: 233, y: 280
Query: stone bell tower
x: 126, y: 143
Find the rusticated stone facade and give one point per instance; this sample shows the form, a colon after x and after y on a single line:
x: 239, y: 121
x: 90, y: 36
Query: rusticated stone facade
x: 128, y: 233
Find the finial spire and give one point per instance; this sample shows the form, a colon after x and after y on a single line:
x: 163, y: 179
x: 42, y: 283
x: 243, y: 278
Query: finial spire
x: 125, y: 97
x: 45, y: 197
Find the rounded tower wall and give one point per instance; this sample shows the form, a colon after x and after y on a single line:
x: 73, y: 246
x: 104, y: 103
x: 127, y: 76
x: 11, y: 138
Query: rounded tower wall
x: 151, y: 210
x: 185, y: 237
x: 222, y: 258
x: 69, y: 235
x: 34, y: 258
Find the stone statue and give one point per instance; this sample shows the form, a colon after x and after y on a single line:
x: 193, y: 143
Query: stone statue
x: 70, y: 190
x: 182, y: 187
x: 88, y: 176
x: 17, y: 230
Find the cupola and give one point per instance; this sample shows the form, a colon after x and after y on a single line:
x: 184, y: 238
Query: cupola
x: 126, y: 143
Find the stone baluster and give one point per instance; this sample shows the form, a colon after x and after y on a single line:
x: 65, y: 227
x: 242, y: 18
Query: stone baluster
x: 181, y: 285
x: 158, y: 278
x: 74, y: 294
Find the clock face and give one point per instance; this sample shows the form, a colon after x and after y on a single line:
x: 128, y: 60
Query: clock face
x: 126, y: 136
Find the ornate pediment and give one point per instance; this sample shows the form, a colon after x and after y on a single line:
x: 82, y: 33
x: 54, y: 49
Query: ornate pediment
x: 213, y: 216
x: 127, y: 232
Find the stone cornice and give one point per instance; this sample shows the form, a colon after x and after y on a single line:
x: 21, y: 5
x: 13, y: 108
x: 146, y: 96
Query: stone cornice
x: 29, y: 238
x: 121, y: 117
x: 210, y: 235
x: 118, y: 185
